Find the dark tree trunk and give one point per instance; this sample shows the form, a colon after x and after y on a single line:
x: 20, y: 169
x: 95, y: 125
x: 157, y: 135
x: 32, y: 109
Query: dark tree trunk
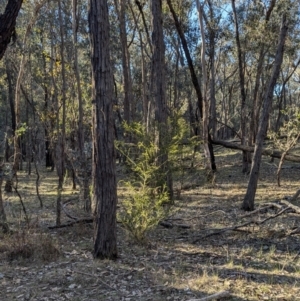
x: 194, y: 79
x: 8, y: 23
x: 248, y: 203
x: 104, y: 170
x: 242, y: 88
x: 159, y: 94
x: 259, y: 70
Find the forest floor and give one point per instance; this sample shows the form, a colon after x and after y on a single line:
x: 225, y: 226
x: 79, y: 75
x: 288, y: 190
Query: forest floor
x: 188, y: 260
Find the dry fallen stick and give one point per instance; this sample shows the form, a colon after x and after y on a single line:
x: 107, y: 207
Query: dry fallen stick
x: 70, y: 224
x: 242, y: 225
x: 291, y: 206
x: 219, y: 295
x: 263, y: 207
x: 257, y: 210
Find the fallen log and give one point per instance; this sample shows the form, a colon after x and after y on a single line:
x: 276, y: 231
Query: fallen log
x: 265, y: 152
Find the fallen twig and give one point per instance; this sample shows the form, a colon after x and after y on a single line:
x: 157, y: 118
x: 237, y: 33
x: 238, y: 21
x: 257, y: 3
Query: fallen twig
x: 257, y: 210
x: 242, y: 225
x: 291, y: 206
x: 70, y: 224
x: 219, y: 295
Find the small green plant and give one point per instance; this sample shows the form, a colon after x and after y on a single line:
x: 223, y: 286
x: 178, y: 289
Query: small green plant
x: 143, y: 209
x: 147, y: 199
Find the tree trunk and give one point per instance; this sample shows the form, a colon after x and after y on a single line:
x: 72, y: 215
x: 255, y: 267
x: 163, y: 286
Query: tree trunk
x: 205, y: 105
x: 61, y: 127
x: 145, y: 94
x: 104, y: 169
x: 8, y: 24
x: 3, y: 223
x: 259, y: 70
x: 120, y: 7
x: 159, y: 94
x: 242, y: 88
x: 193, y: 77
x: 248, y: 203
x: 83, y: 164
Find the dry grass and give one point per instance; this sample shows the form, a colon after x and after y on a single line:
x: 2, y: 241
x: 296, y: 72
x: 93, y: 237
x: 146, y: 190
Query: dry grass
x: 258, y: 263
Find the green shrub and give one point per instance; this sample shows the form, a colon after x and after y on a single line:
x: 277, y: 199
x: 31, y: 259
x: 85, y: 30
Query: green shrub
x: 143, y: 209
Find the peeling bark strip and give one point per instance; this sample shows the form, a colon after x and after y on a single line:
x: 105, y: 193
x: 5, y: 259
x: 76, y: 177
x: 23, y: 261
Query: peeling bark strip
x: 8, y: 23
x: 104, y: 170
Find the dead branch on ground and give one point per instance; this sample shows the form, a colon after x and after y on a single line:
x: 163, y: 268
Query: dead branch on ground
x: 219, y: 295
x: 265, y: 152
x: 70, y: 224
x: 252, y: 222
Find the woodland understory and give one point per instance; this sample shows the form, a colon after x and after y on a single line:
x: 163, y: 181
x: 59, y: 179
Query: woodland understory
x: 149, y: 150
x: 187, y: 257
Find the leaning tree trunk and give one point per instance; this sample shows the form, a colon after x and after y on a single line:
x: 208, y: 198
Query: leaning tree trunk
x: 104, y: 169
x: 259, y: 69
x: 193, y: 78
x: 248, y: 203
x: 8, y: 24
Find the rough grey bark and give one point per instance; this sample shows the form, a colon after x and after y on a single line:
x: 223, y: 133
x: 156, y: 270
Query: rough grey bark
x: 159, y: 93
x: 104, y: 170
x: 248, y: 203
x: 8, y: 23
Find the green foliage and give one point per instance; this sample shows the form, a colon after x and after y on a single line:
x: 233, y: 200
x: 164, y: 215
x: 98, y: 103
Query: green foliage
x: 147, y: 201
x: 22, y: 128
x: 143, y: 208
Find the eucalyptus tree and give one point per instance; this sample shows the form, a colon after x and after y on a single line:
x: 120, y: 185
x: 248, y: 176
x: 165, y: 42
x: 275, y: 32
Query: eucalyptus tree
x: 158, y: 83
x: 8, y: 23
x: 104, y: 170
x: 241, y: 65
x: 248, y: 203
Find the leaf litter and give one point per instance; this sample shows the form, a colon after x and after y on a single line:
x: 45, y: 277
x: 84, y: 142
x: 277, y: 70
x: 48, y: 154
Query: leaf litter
x: 256, y: 262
